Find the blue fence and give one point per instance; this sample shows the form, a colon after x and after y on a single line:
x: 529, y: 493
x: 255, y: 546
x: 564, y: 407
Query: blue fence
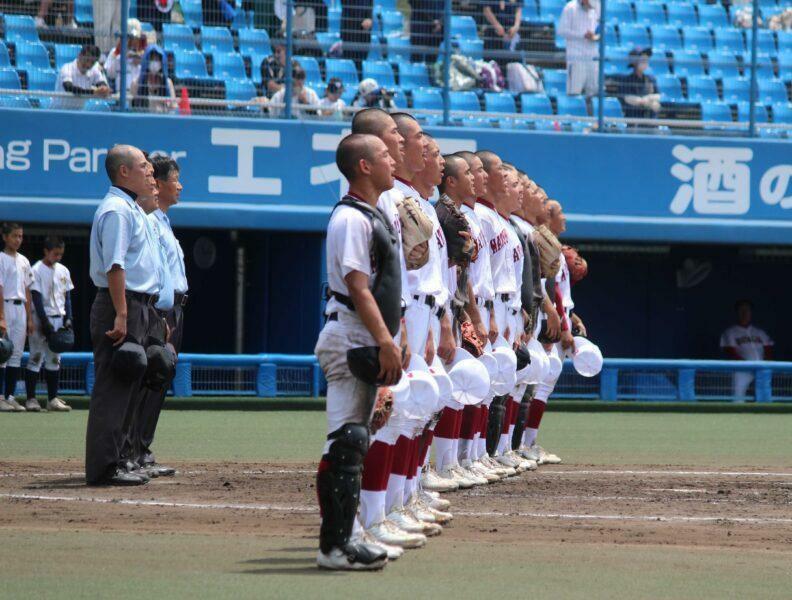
x: 271, y: 375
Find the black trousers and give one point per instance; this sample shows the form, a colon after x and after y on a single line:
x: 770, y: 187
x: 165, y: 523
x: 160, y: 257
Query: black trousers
x: 151, y: 401
x: 112, y: 401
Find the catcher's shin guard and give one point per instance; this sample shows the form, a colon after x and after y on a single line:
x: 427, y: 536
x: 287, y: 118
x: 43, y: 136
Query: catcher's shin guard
x: 497, y: 411
x: 522, y: 418
x: 338, y: 486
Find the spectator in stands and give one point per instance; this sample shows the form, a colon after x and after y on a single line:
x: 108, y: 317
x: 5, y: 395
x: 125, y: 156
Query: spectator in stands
x: 155, y: 12
x: 82, y: 77
x: 502, y: 19
x: 332, y: 105
x: 578, y: 25
x: 219, y: 13
x: 136, y: 46
x: 371, y: 95
x: 272, y: 69
x: 356, y: 27
x: 301, y: 94
x: 743, y: 341
x: 639, y: 89
x: 153, y: 90
x: 426, y: 27
x: 67, y: 15
x: 106, y: 22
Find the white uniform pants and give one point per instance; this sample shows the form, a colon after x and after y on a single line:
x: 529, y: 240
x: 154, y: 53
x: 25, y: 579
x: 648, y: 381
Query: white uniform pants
x: 106, y: 22
x: 16, y: 321
x: 741, y: 381
x: 583, y: 77
x: 40, y: 352
x: 417, y: 319
x: 501, y: 310
x: 515, y: 323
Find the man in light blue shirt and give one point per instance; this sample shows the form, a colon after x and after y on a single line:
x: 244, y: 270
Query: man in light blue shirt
x: 124, y: 266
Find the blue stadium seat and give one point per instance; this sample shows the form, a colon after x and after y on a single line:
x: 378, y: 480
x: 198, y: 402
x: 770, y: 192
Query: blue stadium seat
x: 650, y: 13
x: 514, y: 124
x: 334, y: 18
x: 682, y: 14
x: 467, y: 101
x: 228, y: 66
x: 344, y: 69
x: 697, y: 38
x: 611, y: 108
x: 551, y: 9
x: 617, y: 11
x: 177, y: 36
x: 464, y: 27
x: 688, y: 62
x: 782, y: 113
x: 9, y: 80
x: 502, y: 102
x: 42, y: 80
x: 97, y: 105
x: 659, y: 63
x: 189, y: 64
x: 19, y: 28
x: 716, y: 111
x: 760, y: 112
x: 216, y: 39
x: 427, y: 98
x: 14, y: 102
x: 536, y: 104
x: 785, y: 64
x: 530, y: 11
x: 381, y: 71
x: 784, y: 41
x: 398, y: 48
x: 617, y: 60
x: 193, y: 13
x: 472, y: 48
x: 633, y: 34
x: 243, y: 19
x: 65, y: 53
x: 313, y: 75
x: 473, y: 121
x: 240, y: 89
x: 729, y: 38
x: 254, y: 43
x: 326, y: 39
x: 572, y: 105
x: 413, y: 75
x: 32, y: 56
x: 5, y: 59
x: 723, y: 64
x: 554, y: 81
x: 612, y: 34
x: 670, y: 88
x: 701, y: 88
x: 765, y: 43
x: 392, y: 22
x: 772, y: 91
x: 382, y: 4
x: 736, y: 89
x: 666, y: 37
x: 429, y: 120
x: 713, y: 15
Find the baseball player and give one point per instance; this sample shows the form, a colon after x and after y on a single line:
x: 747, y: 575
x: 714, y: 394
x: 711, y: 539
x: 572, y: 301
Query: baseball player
x: 16, y: 277
x: 360, y: 245
x: 744, y: 341
x: 51, y: 296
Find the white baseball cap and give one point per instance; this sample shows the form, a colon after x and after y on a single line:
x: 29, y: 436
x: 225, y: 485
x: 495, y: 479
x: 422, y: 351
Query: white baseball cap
x: 540, y: 364
x: 402, y: 403
x: 587, y: 358
x: 423, y: 394
x: 437, y: 370
x: 555, y: 362
x: 469, y: 378
x: 506, y: 377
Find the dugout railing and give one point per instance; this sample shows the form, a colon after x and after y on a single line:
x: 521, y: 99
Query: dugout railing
x: 283, y: 375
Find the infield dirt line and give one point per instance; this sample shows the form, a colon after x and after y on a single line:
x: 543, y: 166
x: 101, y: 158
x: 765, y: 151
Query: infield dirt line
x: 313, y: 510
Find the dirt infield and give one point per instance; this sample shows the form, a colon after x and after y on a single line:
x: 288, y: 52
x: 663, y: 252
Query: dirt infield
x: 691, y: 507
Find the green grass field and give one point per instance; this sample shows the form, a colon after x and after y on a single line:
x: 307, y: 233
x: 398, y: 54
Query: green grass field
x: 93, y: 564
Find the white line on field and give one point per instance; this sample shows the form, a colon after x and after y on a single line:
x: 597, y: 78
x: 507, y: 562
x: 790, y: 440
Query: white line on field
x: 678, y: 490
x: 313, y: 510
x: 678, y: 473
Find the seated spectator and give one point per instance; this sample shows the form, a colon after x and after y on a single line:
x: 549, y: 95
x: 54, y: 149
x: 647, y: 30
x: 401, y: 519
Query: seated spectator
x: 136, y: 45
x: 638, y: 89
x: 502, y: 19
x: 301, y: 95
x: 370, y: 94
x: 83, y: 77
x: 67, y: 16
x: 272, y: 70
x: 743, y: 341
x: 332, y: 105
x: 153, y: 90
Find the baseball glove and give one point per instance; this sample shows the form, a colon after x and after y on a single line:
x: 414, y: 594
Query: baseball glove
x: 549, y: 251
x: 471, y: 341
x: 416, y: 229
x: 383, y: 407
x: 578, y: 267
x: 453, y: 223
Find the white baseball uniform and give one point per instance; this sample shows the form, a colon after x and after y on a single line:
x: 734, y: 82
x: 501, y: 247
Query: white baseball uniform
x: 15, y: 277
x: 496, y: 237
x: 749, y: 343
x: 53, y: 283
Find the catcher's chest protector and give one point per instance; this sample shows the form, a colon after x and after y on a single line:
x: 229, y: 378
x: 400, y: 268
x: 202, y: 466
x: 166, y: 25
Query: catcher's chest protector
x: 386, y: 283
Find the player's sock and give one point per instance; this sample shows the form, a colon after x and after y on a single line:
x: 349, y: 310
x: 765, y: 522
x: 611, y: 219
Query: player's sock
x: 503, y: 441
x: 394, y: 495
x: 457, y: 433
x: 467, y: 422
x: 52, y: 378
x: 31, y: 379
x: 481, y: 442
x: 443, y: 438
x: 372, y: 495
x: 535, y: 412
x: 12, y: 376
x: 515, y: 409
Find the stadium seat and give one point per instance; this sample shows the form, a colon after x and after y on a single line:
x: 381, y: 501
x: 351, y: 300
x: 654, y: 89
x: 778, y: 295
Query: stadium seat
x: 326, y: 39
x: 398, y: 48
x: 760, y: 112
x: 659, y: 63
x: 334, y: 18
x: 617, y: 11
x: 5, y: 59
x: 633, y: 34
x: 189, y: 64
x: 32, y: 56
x: 612, y: 34
x: 716, y: 111
x: 649, y: 13
x: 697, y: 38
x: 177, y: 37
x: 464, y: 27
x: 536, y: 104
x: 313, y: 75
x: 617, y: 60
x: 785, y: 64
x: 530, y: 11
x: 9, y: 79
x: 216, y: 39
x: 193, y: 13
x: 723, y: 64
x: 765, y: 42
x: 14, y: 102
x: 42, y: 80
x: 666, y: 37
x: 381, y: 71
x: 736, y: 89
x: 427, y: 99
x: 83, y: 12
x: 514, y: 124
x: 65, y: 53
x: 502, y: 102
x: 344, y: 69
x: 97, y: 105
x: 474, y: 121
x: 392, y: 22
x: 688, y: 62
x: 429, y: 120
x: 467, y: 101
x: 413, y: 75
x: 254, y: 43
x: 784, y: 41
x: 554, y: 81
x: 772, y: 91
x: 243, y: 19
x: 240, y: 89
x: 670, y: 88
x: 19, y: 29
x: 729, y: 39
x: 551, y: 9
x: 610, y: 108
x: 472, y: 48
x: 712, y: 15
x: 681, y: 14
x: 782, y: 113
x: 572, y: 105
x: 228, y: 66
x: 701, y: 88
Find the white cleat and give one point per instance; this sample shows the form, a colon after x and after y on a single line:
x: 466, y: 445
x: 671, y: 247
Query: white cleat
x: 405, y: 521
x: 394, y: 552
x: 5, y: 406
x: 546, y: 458
x: 434, y: 501
x: 16, y: 406
x: 429, y: 529
x: 32, y: 405
x: 420, y: 507
x: 530, y: 453
x: 58, y: 405
x: 338, y: 560
x: 525, y: 464
x: 469, y: 473
x: 507, y: 461
x: 449, y: 474
x: 500, y: 469
x: 480, y: 470
x: 389, y: 534
x: 432, y: 481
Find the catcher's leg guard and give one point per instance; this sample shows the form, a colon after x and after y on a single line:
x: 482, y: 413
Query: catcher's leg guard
x: 338, y: 486
x: 497, y: 411
x: 522, y: 418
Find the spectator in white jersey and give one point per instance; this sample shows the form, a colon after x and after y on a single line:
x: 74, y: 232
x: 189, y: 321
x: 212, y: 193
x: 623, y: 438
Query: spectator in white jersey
x: 744, y: 341
x: 579, y: 25
x: 83, y: 78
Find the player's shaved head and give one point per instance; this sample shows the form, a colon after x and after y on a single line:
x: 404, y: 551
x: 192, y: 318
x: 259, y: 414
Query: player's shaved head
x: 352, y: 149
x: 489, y: 159
x: 121, y: 154
x: 466, y: 154
x: 373, y: 121
x: 402, y: 119
x: 453, y: 165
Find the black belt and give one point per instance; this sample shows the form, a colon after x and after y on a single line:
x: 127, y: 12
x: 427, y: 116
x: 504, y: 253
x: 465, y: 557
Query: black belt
x: 147, y: 299
x: 488, y: 304
x: 15, y: 301
x: 332, y: 316
x: 505, y: 297
x: 429, y: 300
x: 180, y: 299
x: 440, y: 312
x: 347, y: 301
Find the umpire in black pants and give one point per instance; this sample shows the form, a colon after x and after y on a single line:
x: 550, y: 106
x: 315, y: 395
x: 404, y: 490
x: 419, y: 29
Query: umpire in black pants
x: 124, y: 266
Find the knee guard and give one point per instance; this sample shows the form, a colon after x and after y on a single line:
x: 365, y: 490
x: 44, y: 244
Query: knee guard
x: 338, y: 486
x: 497, y: 410
x: 522, y: 419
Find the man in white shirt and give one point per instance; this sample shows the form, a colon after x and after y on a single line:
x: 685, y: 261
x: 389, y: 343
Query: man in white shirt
x: 332, y: 105
x: 578, y: 26
x: 83, y: 78
x: 743, y: 341
x: 301, y: 95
